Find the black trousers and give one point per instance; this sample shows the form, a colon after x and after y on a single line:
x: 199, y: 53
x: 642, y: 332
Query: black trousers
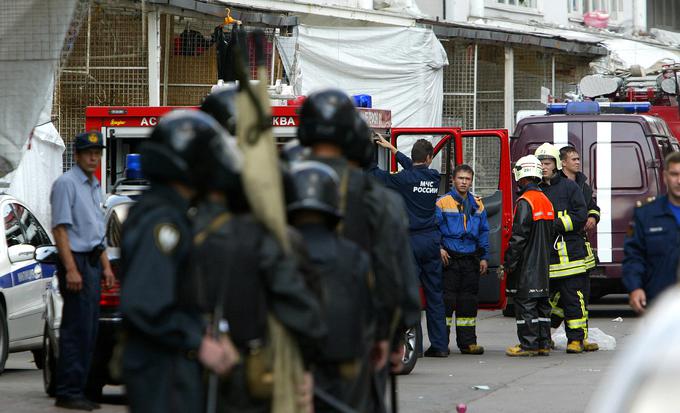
x: 78, y: 330
x: 533, y: 322
x: 569, y: 301
x: 461, y: 287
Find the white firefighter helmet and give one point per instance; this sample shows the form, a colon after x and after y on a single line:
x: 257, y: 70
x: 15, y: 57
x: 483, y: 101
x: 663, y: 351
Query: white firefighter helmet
x: 528, y: 167
x: 548, y: 150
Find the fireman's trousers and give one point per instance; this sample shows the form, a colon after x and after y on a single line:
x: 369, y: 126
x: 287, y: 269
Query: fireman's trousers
x: 569, y: 302
x: 461, y: 287
x: 533, y: 322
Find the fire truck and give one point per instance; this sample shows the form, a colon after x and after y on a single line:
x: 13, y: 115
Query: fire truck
x: 487, y: 151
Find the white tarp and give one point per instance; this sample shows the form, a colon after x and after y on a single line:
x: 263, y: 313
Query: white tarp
x: 40, y: 165
x: 32, y: 33
x: 400, y: 67
x: 626, y: 53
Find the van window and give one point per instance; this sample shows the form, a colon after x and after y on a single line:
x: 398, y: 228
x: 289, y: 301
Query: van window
x: 630, y: 177
x: 483, y: 154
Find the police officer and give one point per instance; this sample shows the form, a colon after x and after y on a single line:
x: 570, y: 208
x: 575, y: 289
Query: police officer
x: 527, y: 261
x: 418, y: 185
x: 327, y: 126
x: 464, y: 249
x: 571, y: 168
x: 238, y: 266
x: 78, y: 228
x: 568, y: 274
x: 651, y: 247
x: 166, y: 341
x: 346, y: 288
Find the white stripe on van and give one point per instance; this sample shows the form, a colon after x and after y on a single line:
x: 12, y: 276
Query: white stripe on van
x: 604, y: 190
x: 560, y: 134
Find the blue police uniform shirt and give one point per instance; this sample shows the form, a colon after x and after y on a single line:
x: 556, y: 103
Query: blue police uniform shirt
x: 77, y: 203
x: 675, y: 210
x: 418, y: 185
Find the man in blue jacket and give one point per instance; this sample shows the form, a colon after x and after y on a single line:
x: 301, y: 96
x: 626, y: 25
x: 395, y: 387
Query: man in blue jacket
x: 418, y: 184
x: 652, y: 245
x: 464, y: 252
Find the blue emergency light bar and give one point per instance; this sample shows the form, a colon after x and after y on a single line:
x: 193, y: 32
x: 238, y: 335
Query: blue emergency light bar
x: 593, y: 108
x: 133, y: 166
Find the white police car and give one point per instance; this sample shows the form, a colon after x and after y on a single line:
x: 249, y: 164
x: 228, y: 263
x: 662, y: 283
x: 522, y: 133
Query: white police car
x: 23, y: 281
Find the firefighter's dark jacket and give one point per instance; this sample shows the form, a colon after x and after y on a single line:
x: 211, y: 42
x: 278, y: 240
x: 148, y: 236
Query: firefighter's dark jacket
x: 591, y: 203
x: 375, y: 219
x: 568, y: 251
x: 164, y: 327
x: 240, y: 265
x: 527, y: 258
x: 651, y: 249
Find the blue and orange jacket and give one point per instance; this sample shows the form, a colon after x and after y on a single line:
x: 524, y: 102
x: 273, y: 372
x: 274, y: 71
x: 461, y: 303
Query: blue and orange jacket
x: 463, y: 233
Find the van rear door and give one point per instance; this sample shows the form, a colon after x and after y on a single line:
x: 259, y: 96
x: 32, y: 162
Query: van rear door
x: 488, y: 153
x: 623, y: 168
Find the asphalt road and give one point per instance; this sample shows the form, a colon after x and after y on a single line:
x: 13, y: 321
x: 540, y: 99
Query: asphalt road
x: 560, y: 383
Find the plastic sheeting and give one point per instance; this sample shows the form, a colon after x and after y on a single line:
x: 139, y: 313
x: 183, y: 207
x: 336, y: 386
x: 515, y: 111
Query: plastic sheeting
x: 400, y: 67
x: 40, y: 166
x: 32, y: 33
x: 626, y: 53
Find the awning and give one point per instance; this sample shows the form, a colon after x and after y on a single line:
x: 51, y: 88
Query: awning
x: 556, y: 39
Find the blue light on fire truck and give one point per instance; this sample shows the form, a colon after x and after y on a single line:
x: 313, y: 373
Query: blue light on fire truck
x: 133, y: 166
x: 590, y: 107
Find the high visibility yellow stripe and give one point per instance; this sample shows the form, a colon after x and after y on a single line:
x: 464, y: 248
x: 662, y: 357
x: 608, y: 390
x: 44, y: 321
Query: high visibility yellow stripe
x: 584, y: 311
x: 555, y: 310
x: 562, y: 253
x: 577, y: 323
x: 566, y: 221
x: 466, y: 321
x: 593, y: 212
x: 567, y: 272
x: 449, y: 321
x: 590, y: 261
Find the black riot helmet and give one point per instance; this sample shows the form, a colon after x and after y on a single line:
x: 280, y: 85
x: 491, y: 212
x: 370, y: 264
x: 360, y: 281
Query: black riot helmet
x: 221, y: 105
x: 326, y: 116
x: 316, y: 189
x: 292, y: 151
x: 189, y: 147
x: 360, y: 148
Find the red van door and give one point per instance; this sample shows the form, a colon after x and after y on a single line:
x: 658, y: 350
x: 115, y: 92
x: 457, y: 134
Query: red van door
x: 488, y: 153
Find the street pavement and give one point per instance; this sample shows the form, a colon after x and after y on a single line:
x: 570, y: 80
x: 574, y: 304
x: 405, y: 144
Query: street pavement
x: 560, y: 383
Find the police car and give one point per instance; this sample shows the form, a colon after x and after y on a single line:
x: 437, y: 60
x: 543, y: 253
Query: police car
x: 23, y: 281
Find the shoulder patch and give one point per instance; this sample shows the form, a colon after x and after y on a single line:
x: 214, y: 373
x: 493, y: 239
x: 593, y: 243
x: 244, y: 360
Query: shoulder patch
x: 643, y: 202
x: 166, y: 237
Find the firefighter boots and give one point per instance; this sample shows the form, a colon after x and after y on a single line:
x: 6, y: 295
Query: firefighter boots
x: 575, y: 347
x: 544, y: 351
x: 518, y: 351
x: 472, y: 349
x: 590, y: 346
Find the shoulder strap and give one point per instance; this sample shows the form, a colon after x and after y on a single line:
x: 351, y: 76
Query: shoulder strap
x: 214, y: 225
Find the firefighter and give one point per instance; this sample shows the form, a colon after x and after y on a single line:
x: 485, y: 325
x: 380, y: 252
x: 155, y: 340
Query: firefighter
x: 527, y: 261
x: 571, y: 168
x: 238, y: 266
x: 166, y: 341
x: 327, y: 121
x: 464, y: 251
x: 568, y: 274
x: 346, y: 288
x: 418, y: 185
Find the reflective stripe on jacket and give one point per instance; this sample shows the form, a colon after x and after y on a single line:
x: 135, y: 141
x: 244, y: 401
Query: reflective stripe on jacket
x: 568, y: 256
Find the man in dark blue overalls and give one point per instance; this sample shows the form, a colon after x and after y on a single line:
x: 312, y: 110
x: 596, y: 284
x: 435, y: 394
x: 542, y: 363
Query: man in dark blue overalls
x: 419, y: 186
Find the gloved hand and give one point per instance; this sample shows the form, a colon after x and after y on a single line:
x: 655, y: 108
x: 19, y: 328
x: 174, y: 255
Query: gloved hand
x: 500, y: 272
